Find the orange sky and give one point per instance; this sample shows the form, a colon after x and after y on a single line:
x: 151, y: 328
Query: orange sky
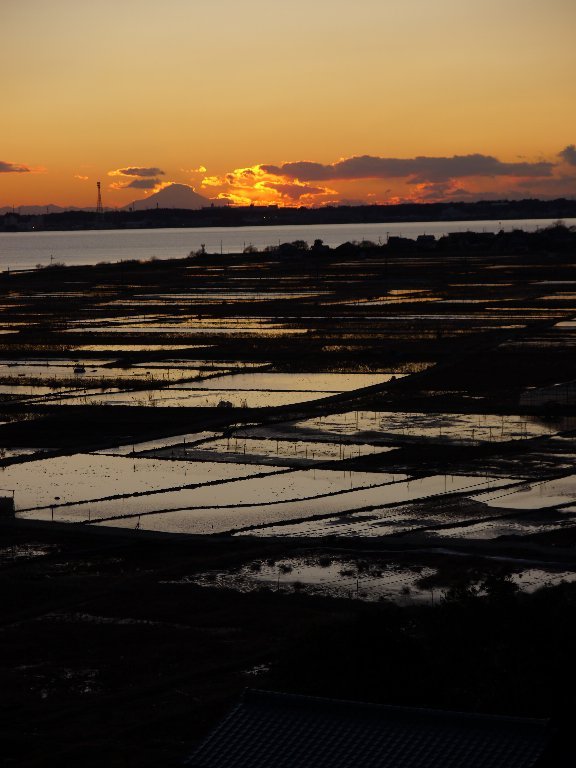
x: 183, y: 85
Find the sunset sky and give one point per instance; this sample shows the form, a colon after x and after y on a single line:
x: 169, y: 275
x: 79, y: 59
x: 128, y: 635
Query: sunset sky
x: 305, y: 102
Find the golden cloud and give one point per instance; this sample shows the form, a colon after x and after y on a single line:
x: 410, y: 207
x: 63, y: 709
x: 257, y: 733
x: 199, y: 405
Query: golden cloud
x: 254, y: 185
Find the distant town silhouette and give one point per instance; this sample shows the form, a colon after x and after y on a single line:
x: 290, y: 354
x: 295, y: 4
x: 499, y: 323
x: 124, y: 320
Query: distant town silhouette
x: 165, y: 213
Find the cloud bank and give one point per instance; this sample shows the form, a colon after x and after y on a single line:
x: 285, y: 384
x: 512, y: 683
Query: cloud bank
x: 13, y: 168
x: 137, y: 177
x: 374, y: 179
x: 568, y: 154
x: 141, y: 184
x: 418, y: 169
x: 137, y: 171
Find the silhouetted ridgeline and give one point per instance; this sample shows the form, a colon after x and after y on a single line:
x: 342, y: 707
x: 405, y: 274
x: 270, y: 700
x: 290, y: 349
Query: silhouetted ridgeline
x: 272, y: 215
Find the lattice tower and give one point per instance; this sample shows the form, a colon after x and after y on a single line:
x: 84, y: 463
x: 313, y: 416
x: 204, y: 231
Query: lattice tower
x: 99, y: 208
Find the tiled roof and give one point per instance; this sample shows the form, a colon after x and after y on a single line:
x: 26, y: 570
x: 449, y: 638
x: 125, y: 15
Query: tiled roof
x: 272, y: 730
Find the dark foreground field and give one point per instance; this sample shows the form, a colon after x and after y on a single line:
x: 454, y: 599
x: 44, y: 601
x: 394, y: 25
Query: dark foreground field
x: 110, y: 656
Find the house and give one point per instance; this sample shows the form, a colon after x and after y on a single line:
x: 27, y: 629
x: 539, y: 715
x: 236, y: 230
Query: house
x: 276, y: 730
x: 556, y: 395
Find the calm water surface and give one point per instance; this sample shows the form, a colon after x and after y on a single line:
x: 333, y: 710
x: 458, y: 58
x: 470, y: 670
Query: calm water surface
x: 24, y: 250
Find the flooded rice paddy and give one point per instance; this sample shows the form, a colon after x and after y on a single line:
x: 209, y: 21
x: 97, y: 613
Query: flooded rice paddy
x: 383, y: 512
x: 171, y: 490
x: 161, y: 444
x: 367, y: 451
x: 359, y: 578
x: 536, y: 495
x: 211, y: 327
x: 211, y: 446
x: 271, y: 481
x: 296, y: 382
x: 184, y: 385
x: 194, y: 398
x: 439, y: 426
x: 198, y: 490
x: 269, y: 505
x: 278, y: 450
x: 77, y: 372
x: 122, y: 348
x: 329, y: 577
x: 66, y: 479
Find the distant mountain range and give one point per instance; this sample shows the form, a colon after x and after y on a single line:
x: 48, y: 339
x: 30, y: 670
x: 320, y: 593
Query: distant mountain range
x: 173, y: 196
x: 37, y: 210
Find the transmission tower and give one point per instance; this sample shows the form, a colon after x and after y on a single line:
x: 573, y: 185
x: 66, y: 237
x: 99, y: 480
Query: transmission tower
x: 99, y: 208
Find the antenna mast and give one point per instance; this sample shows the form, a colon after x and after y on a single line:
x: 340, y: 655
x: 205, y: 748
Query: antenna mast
x: 99, y: 208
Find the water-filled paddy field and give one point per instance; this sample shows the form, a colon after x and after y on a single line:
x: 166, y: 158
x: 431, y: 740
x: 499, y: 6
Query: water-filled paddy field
x: 358, y: 578
x: 378, y: 425
x: 213, y: 497
x: 296, y: 382
x: 275, y: 518
x: 275, y: 450
x: 194, y: 398
x: 338, y: 577
x: 203, y: 386
x: 76, y: 372
x: 536, y: 495
x: 369, y: 451
x: 63, y: 480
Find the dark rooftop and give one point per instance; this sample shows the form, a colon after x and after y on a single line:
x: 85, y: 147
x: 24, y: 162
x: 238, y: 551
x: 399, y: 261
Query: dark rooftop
x: 286, y: 731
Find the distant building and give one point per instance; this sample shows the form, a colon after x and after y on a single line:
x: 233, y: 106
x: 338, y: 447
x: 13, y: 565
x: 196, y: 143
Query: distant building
x: 274, y: 730
x: 401, y: 244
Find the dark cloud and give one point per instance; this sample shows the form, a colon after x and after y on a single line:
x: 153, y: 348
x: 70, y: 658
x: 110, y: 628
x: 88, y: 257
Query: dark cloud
x: 141, y: 184
x: 443, y: 190
x: 136, y: 171
x: 417, y: 170
x: 13, y: 168
x: 569, y: 154
x: 559, y: 186
x: 294, y: 191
